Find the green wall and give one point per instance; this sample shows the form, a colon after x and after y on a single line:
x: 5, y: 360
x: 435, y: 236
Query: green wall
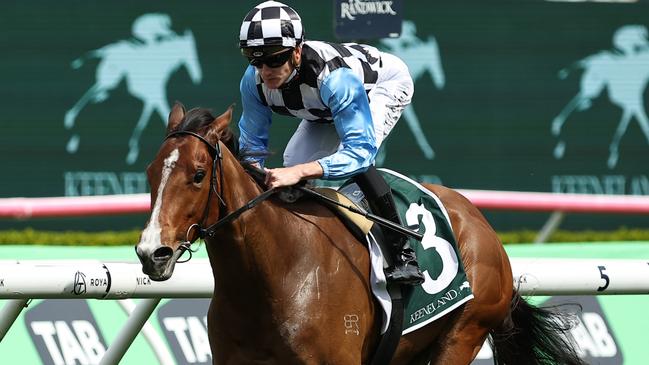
x: 489, y: 121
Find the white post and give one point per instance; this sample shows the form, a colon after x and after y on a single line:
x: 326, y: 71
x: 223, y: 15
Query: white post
x: 157, y: 344
x: 127, y: 334
x: 9, y: 313
x: 550, y: 226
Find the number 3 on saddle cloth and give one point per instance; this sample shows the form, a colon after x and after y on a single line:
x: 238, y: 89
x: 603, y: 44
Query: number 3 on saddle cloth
x: 446, y: 286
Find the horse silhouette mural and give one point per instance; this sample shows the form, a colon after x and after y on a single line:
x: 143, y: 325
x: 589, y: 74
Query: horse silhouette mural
x: 421, y: 57
x: 145, y: 63
x: 624, y: 73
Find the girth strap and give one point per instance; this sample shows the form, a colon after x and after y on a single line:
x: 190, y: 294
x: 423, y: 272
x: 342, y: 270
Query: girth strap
x: 390, y: 340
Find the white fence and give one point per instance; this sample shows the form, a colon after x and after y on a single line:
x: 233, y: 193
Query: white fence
x: 119, y: 280
x: 21, y: 281
x: 24, y: 280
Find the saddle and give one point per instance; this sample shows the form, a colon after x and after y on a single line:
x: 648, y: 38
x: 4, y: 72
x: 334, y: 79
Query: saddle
x: 356, y: 223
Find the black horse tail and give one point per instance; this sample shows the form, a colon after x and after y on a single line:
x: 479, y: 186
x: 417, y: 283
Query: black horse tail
x: 534, y: 336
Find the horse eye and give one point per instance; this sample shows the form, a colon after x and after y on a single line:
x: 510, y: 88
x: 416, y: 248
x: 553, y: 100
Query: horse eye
x: 199, y: 177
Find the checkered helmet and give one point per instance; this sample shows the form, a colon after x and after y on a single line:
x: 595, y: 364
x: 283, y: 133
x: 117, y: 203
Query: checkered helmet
x: 271, y: 23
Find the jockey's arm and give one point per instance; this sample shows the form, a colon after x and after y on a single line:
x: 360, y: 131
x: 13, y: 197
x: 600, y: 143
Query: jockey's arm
x: 345, y: 95
x: 255, y: 121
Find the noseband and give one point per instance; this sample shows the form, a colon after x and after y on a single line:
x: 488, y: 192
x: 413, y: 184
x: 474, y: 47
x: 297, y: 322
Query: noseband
x: 217, y: 155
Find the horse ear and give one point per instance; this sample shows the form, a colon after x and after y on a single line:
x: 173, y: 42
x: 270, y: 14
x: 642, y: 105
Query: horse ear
x: 223, y: 121
x: 218, y: 129
x: 176, y: 115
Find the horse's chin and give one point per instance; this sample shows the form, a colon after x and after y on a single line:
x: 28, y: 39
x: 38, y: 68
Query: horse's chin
x: 162, y: 277
x: 162, y: 271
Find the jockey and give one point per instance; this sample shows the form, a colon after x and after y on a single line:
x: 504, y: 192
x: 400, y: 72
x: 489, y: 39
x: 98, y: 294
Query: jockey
x: 349, y: 97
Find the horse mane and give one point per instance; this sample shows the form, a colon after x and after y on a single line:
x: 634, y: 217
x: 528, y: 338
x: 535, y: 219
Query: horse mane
x: 257, y: 174
x: 197, y: 119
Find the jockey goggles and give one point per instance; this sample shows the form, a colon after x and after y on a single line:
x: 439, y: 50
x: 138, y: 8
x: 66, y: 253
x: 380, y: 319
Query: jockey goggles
x: 273, y: 60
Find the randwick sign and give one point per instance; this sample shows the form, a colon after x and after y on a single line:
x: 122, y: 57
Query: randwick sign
x: 352, y: 8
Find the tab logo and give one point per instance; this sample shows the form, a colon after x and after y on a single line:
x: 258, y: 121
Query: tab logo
x: 65, y: 332
x: 185, y: 326
x: 593, y: 334
x: 596, y: 342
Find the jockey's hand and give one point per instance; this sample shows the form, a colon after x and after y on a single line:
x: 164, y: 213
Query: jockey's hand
x: 287, y: 176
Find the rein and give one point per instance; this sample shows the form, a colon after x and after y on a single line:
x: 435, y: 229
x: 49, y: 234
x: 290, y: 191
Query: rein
x: 215, y: 151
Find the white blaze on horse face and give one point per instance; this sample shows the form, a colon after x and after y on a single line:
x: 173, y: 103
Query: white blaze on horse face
x: 151, y: 234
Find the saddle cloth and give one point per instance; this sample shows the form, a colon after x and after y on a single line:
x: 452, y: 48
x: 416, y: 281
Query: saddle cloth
x: 446, y: 286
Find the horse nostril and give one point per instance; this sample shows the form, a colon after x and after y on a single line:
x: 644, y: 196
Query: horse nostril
x: 163, y: 253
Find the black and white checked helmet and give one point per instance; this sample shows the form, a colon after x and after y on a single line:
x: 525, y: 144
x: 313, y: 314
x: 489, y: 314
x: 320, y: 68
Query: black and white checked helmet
x: 271, y: 23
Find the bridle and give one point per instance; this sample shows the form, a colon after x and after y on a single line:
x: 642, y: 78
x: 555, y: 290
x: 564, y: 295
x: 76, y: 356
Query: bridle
x: 210, y: 231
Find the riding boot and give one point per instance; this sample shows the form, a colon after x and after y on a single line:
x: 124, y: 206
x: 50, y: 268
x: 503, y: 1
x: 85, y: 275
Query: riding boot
x: 404, y: 268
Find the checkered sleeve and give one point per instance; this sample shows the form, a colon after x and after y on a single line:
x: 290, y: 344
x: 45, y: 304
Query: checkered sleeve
x: 344, y: 94
x: 255, y: 120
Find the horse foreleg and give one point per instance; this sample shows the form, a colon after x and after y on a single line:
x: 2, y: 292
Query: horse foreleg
x: 93, y: 93
x: 134, y: 142
x: 619, y: 132
x: 415, y: 127
x: 641, y: 116
x: 559, y: 120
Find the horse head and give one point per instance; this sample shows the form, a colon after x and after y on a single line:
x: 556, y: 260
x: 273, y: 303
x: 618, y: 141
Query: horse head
x: 183, y: 181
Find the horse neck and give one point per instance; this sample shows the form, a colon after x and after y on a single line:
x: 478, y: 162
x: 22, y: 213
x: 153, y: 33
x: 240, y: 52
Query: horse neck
x: 270, y: 255
x: 245, y: 247
x: 237, y: 185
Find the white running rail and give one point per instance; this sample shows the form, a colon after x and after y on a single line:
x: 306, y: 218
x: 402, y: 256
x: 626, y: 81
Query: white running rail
x: 24, y: 280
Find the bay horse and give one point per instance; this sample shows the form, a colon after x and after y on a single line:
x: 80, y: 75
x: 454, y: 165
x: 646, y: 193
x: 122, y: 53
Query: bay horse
x: 289, y: 276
